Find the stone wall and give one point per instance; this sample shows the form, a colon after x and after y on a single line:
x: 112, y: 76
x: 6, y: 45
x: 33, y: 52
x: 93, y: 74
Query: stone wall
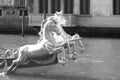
x: 13, y: 23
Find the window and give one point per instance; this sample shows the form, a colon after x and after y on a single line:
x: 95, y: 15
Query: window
x: 30, y: 5
x: 42, y: 5
x: 0, y: 12
x: 30, y: 2
x: 85, y: 7
x: 22, y: 2
x: 21, y: 12
x: 55, y: 5
x: 116, y: 7
x: 19, y: 3
x: 68, y: 6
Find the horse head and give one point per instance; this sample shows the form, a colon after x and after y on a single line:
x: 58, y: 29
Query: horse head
x: 60, y: 18
x: 45, y: 22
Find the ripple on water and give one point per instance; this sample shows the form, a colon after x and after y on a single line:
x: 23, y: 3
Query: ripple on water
x: 89, y: 60
x: 3, y: 76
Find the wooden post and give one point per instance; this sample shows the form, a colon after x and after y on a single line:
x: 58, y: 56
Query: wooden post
x: 62, y: 5
x: 44, y: 9
x: 23, y: 16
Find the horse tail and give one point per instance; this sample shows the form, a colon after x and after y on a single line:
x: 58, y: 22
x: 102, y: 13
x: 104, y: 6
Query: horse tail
x: 4, y: 62
x: 6, y: 54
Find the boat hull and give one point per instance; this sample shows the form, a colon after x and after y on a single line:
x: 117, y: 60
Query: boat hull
x: 52, y: 59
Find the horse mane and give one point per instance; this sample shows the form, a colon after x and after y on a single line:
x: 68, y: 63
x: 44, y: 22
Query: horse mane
x: 53, y: 19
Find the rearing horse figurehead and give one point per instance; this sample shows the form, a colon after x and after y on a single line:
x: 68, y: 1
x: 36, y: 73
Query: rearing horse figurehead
x: 62, y: 22
x: 64, y: 36
x: 56, y: 20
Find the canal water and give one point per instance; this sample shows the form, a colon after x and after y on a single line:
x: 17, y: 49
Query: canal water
x: 100, y: 61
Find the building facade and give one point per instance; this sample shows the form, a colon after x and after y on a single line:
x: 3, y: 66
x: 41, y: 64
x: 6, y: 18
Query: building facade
x: 87, y: 13
x: 93, y: 13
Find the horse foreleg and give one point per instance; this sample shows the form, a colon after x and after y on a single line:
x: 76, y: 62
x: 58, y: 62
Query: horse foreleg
x: 69, y: 50
x: 81, y: 45
x: 63, y: 54
x: 74, y: 52
x: 73, y: 47
x: 63, y: 58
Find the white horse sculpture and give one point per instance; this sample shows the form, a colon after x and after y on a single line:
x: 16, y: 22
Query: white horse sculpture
x: 64, y: 37
x: 46, y: 46
x: 60, y: 21
x: 71, y: 40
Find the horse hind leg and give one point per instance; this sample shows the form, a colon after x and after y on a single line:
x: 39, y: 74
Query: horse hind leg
x: 12, y: 68
x: 15, y: 63
x: 63, y: 58
x: 23, y: 58
x: 73, y: 53
x: 81, y: 45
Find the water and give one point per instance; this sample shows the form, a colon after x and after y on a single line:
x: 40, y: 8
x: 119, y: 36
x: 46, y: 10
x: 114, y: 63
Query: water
x: 100, y: 61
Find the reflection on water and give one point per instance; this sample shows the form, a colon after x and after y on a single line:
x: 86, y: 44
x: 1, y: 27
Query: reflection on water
x: 23, y: 77
x: 5, y: 77
x: 100, y: 61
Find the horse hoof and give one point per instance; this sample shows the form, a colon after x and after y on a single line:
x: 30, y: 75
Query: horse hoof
x: 62, y: 61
